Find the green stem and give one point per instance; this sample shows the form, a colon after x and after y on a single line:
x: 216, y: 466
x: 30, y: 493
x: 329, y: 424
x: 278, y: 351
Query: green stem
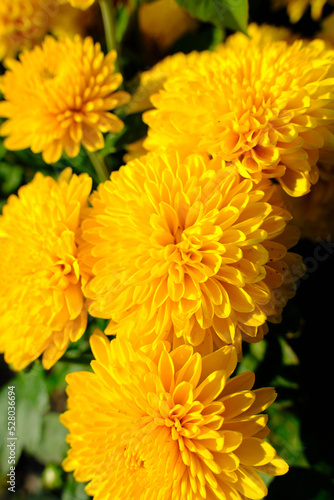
x: 99, y: 165
x: 109, y: 23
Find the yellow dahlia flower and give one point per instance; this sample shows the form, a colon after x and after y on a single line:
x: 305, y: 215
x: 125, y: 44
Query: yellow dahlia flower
x: 41, y: 305
x: 167, y: 425
x: 267, y: 108
x: 297, y: 8
x: 59, y: 96
x: 175, y: 247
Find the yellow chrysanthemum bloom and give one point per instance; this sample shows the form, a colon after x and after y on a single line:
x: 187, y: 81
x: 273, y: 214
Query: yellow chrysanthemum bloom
x: 167, y: 425
x: 59, y: 96
x: 24, y: 23
x: 267, y: 108
x: 297, y: 8
x: 42, y: 305
x: 185, y: 249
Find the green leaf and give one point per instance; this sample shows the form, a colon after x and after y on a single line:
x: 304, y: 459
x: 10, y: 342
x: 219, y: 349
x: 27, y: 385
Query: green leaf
x: 31, y: 403
x: 252, y: 357
x: 289, y: 357
x: 123, y: 17
x: 3, y: 150
x: 232, y: 14
x: 51, y: 446
x: 11, y: 177
x: 285, y: 435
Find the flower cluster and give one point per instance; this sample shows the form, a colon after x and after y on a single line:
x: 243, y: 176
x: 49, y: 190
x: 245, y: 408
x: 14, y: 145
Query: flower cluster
x: 186, y: 250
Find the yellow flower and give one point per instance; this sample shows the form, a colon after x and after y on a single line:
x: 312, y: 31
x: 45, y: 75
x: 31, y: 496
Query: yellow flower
x: 167, y: 425
x: 175, y: 247
x: 41, y: 306
x: 24, y: 23
x: 58, y: 97
x: 152, y: 80
x: 267, y: 108
x: 162, y: 22
x: 297, y: 8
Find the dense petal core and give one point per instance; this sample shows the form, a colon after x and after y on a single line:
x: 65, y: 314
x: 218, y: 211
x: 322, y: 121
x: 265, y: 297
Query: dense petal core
x: 168, y: 425
x: 59, y: 96
x: 42, y: 305
x: 268, y: 108
x: 186, y: 248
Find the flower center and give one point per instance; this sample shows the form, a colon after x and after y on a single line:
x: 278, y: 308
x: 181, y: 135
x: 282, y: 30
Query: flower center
x: 64, y: 272
x: 175, y: 427
x: 178, y: 235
